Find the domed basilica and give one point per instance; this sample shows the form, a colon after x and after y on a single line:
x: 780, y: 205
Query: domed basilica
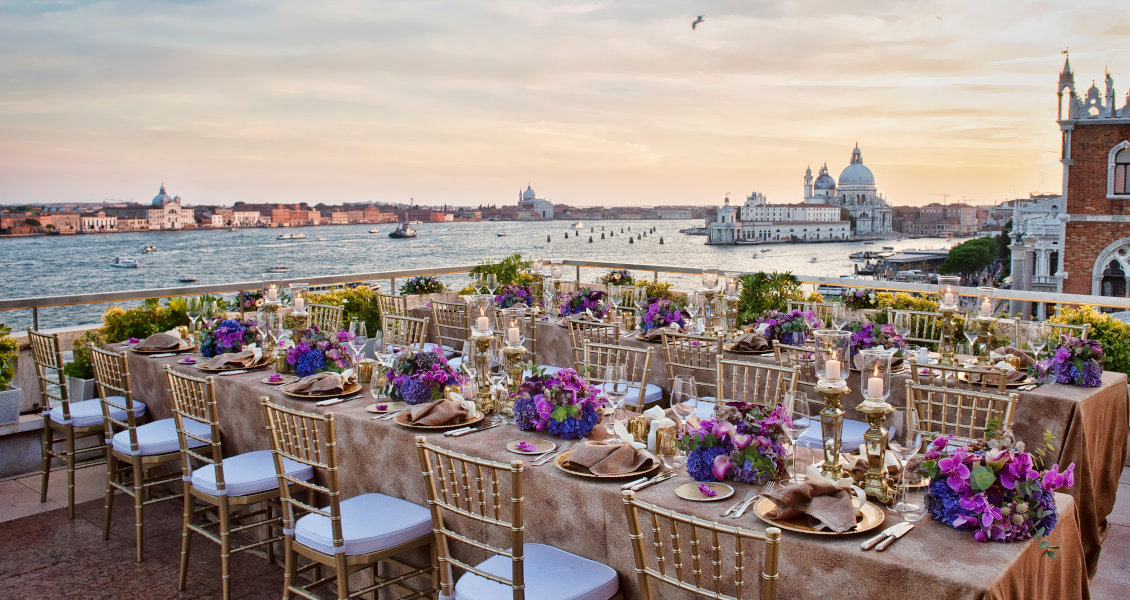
x: 855, y: 192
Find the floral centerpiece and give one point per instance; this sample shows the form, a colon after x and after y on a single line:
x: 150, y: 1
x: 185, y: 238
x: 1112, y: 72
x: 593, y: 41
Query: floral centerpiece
x: 418, y: 377
x: 316, y: 351
x: 992, y: 488
x: 860, y: 299
x: 618, y: 277
x: 584, y: 300
x: 865, y: 334
x: 228, y: 335
x: 662, y: 312
x: 742, y: 443
x: 1075, y: 362
x: 562, y: 405
x: 249, y: 300
x: 513, y: 295
x: 422, y: 284
x: 789, y: 327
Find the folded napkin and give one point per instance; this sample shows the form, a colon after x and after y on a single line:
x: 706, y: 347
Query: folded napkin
x: 830, y: 506
x: 750, y: 342
x: 1026, y: 360
x: 325, y: 383
x: 160, y: 341
x: 610, y: 459
x: 654, y: 335
x: 1011, y: 375
x: 440, y: 412
x: 238, y: 360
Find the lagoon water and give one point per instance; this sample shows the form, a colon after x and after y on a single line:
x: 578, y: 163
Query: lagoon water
x: 53, y: 265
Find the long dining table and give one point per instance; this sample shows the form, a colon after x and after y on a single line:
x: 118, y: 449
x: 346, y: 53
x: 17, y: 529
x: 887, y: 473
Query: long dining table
x: 586, y: 516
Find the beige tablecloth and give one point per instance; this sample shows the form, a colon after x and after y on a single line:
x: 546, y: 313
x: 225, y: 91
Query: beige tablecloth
x: 587, y: 517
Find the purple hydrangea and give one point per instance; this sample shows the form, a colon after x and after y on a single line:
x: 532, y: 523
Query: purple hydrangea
x: 700, y: 462
x: 309, y: 363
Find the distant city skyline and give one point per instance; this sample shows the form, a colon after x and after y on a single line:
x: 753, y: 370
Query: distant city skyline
x: 593, y: 103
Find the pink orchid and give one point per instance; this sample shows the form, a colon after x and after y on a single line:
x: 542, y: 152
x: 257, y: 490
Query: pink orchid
x: 721, y: 466
x: 741, y: 441
x: 724, y: 428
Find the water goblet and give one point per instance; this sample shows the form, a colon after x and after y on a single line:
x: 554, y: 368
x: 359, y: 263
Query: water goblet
x: 641, y: 307
x: 971, y: 331
x: 360, y: 337
x: 684, y: 397
x: 839, y: 316
x: 1037, y: 338
x: 911, y: 502
x: 194, y: 309
x: 797, y: 408
x: 491, y: 283
x: 902, y: 324
x: 616, y: 388
x: 905, y: 434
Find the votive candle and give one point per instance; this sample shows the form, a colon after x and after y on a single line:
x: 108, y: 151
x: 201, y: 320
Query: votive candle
x: 299, y: 304
x: 272, y: 293
x: 875, y: 387
x: 986, y: 308
x: 513, y: 336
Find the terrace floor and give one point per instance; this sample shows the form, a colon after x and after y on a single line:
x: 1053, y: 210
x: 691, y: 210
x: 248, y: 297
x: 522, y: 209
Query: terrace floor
x: 47, y: 557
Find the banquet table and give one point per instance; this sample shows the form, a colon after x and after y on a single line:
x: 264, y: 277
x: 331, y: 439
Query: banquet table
x: 586, y: 517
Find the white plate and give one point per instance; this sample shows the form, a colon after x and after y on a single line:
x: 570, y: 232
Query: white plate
x: 542, y: 446
x: 389, y: 407
x: 285, y: 380
x: 690, y: 491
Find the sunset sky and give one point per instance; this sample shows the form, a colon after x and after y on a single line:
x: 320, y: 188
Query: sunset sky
x: 600, y: 102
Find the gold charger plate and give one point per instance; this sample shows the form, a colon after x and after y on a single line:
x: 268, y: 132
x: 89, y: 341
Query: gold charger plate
x: 285, y: 380
x: 147, y: 351
x: 402, y: 419
x: 559, y: 462
x: 690, y: 491
x: 203, y: 366
x: 542, y: 446
x: 1013, y: 384
x: 350, y: 389
x: 872, y: 517
x: 389, y: 407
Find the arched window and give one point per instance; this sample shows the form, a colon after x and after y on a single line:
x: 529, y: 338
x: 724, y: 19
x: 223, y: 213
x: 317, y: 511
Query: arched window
x: 1114, y: 280
x: 1121, y: 175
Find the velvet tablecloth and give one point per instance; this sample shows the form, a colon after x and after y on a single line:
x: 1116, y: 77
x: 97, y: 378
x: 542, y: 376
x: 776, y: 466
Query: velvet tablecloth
x: 587, y: 517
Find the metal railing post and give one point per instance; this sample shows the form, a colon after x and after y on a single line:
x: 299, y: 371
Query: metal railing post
x: 35, y: 318
x: 578, y: 274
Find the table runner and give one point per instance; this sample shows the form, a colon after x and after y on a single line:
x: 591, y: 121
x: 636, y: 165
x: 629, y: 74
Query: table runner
x: 587, y: 517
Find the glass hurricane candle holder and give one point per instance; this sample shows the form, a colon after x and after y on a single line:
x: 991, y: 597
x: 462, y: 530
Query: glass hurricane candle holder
x: 986, y: 297
x: 709, y: 278
x: 480, y: 309
x: 832, y: 349
x: 948, y: 295
x: 875, y: 376
x: 298, y: 297
x: 514, y: 327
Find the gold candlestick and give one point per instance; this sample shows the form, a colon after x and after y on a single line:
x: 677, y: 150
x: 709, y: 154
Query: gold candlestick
x: 708, y: 313
x: 831, y: 427
x: 984, y: 338
x: 513, y: 358
x: 875, y: 441
x: 946, y: 345
x: 483, y: 398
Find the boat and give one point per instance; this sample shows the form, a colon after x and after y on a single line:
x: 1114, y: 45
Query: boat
x: 187, y: 279
x: 888, y: 248
x: 575, y: 225
x: 321, y: 239
x: 766, y: 250
x: 374, y: 230
x: 868, y: 243
x: 278, y: 269
x: 125, y: 263
x: 149, y: 248
x: 403, y: 231
x: 500, y: 234
x: 291, y: 236
x: 234, y: 229
x: 813, y: 259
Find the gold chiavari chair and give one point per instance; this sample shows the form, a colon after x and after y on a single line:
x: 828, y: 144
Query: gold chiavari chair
x: 487, y: 496
x: 327, y: 317
x: 961, y: 413
x: 392, y: 305
x: 349, y: 534
x: 822, y: 310
x: 1056, y: 331
x: 637, y: 365
x: 450, y: 324
x: 404, y: 332
x: 974, y: 378
x: 711, y: 544
x: 583, y: 332
x: 755, y: 383
x: 131, y: 447
x: 72, y: 421
x: 925, y: 326
x: 568, y: 287
x: 696, y: 354
x: 801, y: 357
x: 234, y: 486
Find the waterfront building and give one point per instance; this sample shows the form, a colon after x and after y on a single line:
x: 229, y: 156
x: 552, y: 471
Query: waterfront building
x: 855, y: 193
x: 758, y: 221
x: 167, y: 212
x: 528, y: 201
x: 936, y: 220
x: 98, y: 221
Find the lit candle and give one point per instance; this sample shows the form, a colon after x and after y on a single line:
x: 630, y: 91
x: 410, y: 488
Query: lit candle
x: 272, y: 293
x: 299, y: 304
x: 557, y: 272
x: 732, y: 288
x: 832, y: 369
x: 513, y: 336
x: 482, y: 323
x: 948, y: 299
x: 986, y: 308
x: 875, y: 385
x: 721, y: 282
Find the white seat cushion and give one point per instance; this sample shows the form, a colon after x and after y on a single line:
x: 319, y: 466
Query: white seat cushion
x: 160, y: 437
x: 551, y: 574
x: 651, y: 394
x: 851, y: 437
x: 248, y: 473
x: 448, y: 351
x: 89, y: 412
x: 706, y: 406
x: 369, y: 522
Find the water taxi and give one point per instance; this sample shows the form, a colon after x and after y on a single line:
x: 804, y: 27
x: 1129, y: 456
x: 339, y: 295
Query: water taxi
x: 123, y: 262
x: 149, y: 248
x: 278, y: 269
x: 403, y: 231
x: 291, y: 236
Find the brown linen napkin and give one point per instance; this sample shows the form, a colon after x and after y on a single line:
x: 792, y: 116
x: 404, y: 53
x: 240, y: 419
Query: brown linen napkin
x: 440, y: 412
x: 1013, y: 376
x: 240, y: 360
x: 609, y: 459
x: 654, y: 334
x: 1026, y: 359
x: 319, y: 383
x: 829, y: 505
x: 750, y: 342
x: 160, y: 341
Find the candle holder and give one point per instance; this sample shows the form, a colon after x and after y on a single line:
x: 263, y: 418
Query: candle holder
x: 833, y: 347
x: 480, y: 311
x: 831, y: 427
x: 875, y: 439
x: 484, y: 398
x: 708, y: 312
x: 513, y: 360
x: 947, y: 345
x: 984, y: 339
x: 875, y: 376
x: 513, y: 327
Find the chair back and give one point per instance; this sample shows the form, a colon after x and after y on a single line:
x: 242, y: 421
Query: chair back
x: 961, y: 413
x: 406, y: 332
x: 694, y: 353
x: 584, y: 332
x: 309, y: 439
x: 822, y: 310
x: 392, y: 305
x: 326, y: 317
x: 48, y: 356
x: 974, y: 378
x: 473, y: 491
x: 755, y: 383
x: 194, y: 398
x: 1058, y: 330
x: 567, y: 287
x: 683, y: 548
x: 925, y: 326
x: 111, y: 374
x: 450, y: 324
x: 531, y: 331
x: 637, y: 368
x: 801, y: 357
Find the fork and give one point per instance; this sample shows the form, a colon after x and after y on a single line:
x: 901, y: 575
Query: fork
x: 547, y: 457
x: 748, y: 496
x: 765, y: 488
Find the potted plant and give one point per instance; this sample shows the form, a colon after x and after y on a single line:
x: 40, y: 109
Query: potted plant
x: 9, y: 396
x: 80, y: 371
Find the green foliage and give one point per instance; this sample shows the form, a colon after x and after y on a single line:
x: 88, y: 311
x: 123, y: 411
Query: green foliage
x: 9, y: 353
x: 510, y: 270
x: 1112, y: 333
x: 763, y: 291
x: 900, y: 301
x: 970, y: 256
x: 982, y: 478
x: 357, y: 303
x: 83, y: 366
x: 424, y: 284
x: 120, y: 324
x: 32, y: 222
x: 661, y: 290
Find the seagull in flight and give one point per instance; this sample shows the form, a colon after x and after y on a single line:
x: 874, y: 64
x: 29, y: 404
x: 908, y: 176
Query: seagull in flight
x: 694, y: 24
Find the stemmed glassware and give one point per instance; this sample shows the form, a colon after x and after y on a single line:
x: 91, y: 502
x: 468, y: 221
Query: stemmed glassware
x: 616, y: 388
x: 969, y: 327
x: 491, y: 283
x: 693, y: 307
x: 615, y: 296
x: 1036, y: 333
x: 905, y: 442
x: 839, y: 316
x: 640, y: 301
x: 194, y: 309
x: 797, y: 408
x: 360, y: 337
x: 496, y: 375
x: 684, y: 397
x: 902, y: 324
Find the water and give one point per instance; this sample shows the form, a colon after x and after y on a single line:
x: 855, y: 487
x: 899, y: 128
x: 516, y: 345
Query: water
x: 45, y: 266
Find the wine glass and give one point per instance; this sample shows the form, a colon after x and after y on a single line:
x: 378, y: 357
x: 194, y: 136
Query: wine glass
x: 491, y: 283
x: 684, y: 397
x: 902, y: 324
x: 615, y: 296
x: 797, y: 408
x: 969, y: 327
x: 911, y: 502
x: 640, y: 301
x: 667, y: 448
x: 194, y: 309
x: 616, y: 388
x: 839, y: 316
x: 360, y: 337
x: 496, y: 375
x: 1037, y: 338
x: 692, y: 307
x: 905, y: 434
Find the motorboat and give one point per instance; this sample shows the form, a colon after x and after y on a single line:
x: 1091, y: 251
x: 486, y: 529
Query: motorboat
x: 500, y: 234
x: 123, y: 262
x: 576, y: 225
x: 278, y: 269
x: 291, y: 236
x: 149, y: 248
x: 813, y: 259
x: 888, y: 248
x: 766, y: 250
x: 187, y: 279
x: 321, y: 239
x: 403, y: 231
x: 374, y: 230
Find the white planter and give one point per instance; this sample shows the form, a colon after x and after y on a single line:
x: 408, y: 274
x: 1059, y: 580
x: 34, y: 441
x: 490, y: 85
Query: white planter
x: 10, y: 405
x: 81, y: 389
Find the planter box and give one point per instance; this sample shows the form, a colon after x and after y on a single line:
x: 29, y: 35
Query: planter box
x: 81, y: 389
x: 423, y: 300
x: 10, y: 405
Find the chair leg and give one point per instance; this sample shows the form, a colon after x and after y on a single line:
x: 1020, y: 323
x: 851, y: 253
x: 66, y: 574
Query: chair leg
x: 373, y: 576
x: 47, y: 444
x: 110, y: 474
x: 70, y: 473
x: 225, y: 546
x: 288, y: 568
x: 342, y: 576
x: 186, y: 537
x: 270, y: 533
x: 138, y: 506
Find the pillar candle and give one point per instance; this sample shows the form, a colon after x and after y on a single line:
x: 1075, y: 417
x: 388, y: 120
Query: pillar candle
x: 299, y: 304
x: 986, y: 308
x: 482, y: 323
x: 272, y: 293
x: 513, y: 336
x: 832, y: 369
x: 948, y: 299
x: 875, y: 387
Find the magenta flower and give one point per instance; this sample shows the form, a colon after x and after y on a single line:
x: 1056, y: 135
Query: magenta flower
x: 741, y: 441
x: 721, y: 466
x: 706, y: 491
x: 1054, y: 480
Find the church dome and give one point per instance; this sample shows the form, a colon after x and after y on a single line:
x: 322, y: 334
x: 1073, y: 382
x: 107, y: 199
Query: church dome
x: 825, y: 181
x: 529, y: 193
x: 856, y: 173
x: 161, y: 199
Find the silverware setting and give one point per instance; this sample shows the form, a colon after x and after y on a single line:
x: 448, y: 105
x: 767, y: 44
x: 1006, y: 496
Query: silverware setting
x: 744, y: 507
x: 551, y: 455
x: 391, y: 415
x: 664, y: 476
x: 469, y: 430
x: 748, y: 496
x: 235, y: 372
x: 332, y: 401
x: 886, y: 537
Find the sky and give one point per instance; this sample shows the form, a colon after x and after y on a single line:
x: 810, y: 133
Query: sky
x: 591, y: 102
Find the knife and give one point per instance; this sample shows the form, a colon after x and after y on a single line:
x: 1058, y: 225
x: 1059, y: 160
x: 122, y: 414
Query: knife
x: 890, y: 531
x: 654, y: 480
x: 890, y: 540
x: 455, y: 431
x: 474, y: 429
x: 332, y: 401
x: 631, y: 483
x: 236, y: 372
